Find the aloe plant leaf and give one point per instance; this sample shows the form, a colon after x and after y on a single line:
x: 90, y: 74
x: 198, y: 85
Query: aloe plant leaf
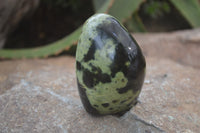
x: 107, y: 6
x: 135, y: 24
x: 124, y: 9
x: 52, y: 48
x: 101, y: 6
x: 44, y: 51
x: 190, y: 9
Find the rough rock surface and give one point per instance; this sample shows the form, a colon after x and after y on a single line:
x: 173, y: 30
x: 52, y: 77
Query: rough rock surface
x: 181, y: 46
x: 40, y: 95
x: 171, y: 96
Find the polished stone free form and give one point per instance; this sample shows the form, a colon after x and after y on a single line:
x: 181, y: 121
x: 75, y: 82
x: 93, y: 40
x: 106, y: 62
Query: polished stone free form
x: 110, y: 67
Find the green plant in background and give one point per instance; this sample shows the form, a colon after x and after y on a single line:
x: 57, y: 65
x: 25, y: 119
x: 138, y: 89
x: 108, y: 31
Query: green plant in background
x: 190, y: 9
x: 126, y: 12
x: 156, y: 8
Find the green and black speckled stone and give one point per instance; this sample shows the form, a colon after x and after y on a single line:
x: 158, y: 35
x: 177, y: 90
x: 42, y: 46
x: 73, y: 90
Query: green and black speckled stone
x: 110, y: 67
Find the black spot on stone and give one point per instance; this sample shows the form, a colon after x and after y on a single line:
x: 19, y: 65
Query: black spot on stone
x: 122, y: 90
x: 131, y: 85
x: 102, y: 77
x: 96, y: 105
x: 123, y: 80
x: 110, y: 108
x: 114, y: 101
x: 78, y: 65
x: 105, y: 105
x: 118, y: 64
x: 95, y: 69
x: 105, y: 78
x: 123, y: 101
x: 88, y: 78
x: 91, y: 78
x: 90, y: 54
x: 85, y: 101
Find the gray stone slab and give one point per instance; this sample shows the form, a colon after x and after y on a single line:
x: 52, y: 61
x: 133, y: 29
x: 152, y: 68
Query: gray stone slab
x: 43, y: 97
x: 40, y: 95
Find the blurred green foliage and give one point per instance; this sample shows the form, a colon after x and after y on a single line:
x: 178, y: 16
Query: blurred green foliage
x: 156, y: 8
x: 126, y: 11
x: 190, y: 9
